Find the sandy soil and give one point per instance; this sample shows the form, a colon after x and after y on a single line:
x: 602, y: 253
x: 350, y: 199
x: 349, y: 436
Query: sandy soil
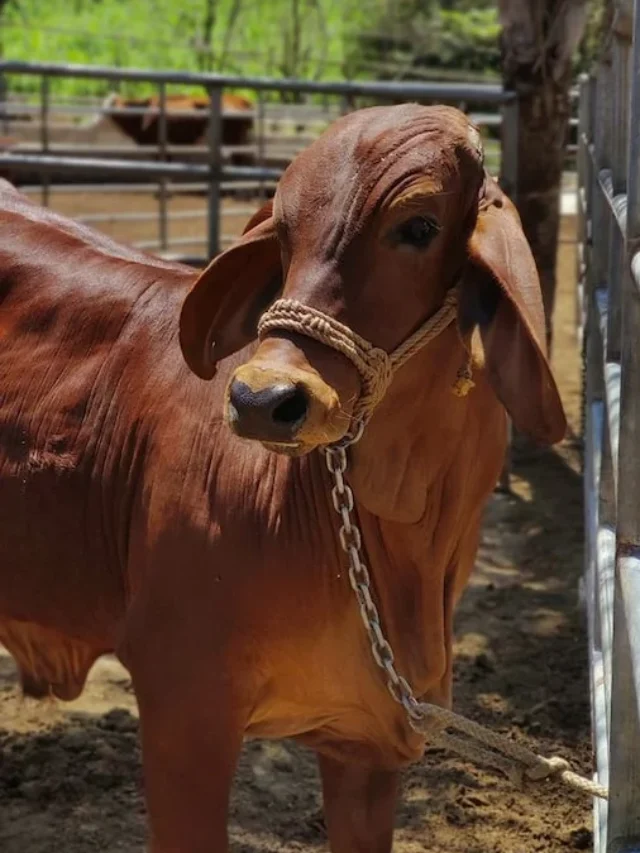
x: 70, y: 775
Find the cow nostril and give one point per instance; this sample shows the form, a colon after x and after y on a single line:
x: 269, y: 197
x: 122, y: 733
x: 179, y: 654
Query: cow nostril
x: 292, y: 410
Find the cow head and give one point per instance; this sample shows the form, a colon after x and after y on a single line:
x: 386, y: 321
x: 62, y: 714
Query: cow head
x: 372, y: 225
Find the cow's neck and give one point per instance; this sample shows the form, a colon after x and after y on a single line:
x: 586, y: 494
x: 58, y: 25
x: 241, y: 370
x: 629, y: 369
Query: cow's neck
x: 414, y: 434
x: 420, y: 476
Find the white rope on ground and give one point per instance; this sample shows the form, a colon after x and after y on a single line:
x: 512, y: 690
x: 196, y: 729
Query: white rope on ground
x: 482, y: 746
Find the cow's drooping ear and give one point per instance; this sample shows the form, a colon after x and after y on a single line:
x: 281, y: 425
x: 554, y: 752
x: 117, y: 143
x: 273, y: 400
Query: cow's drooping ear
x: 220, y: 314
x: 499, y: 294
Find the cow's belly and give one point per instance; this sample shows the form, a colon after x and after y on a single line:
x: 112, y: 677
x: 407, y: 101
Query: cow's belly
x: 369, y: 735
x: 53, y: 614
x: 49, y: 663
x: 329, y: 695
x: 56, y: 550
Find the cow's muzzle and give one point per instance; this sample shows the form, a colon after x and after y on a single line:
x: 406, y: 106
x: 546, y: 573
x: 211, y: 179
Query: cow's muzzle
x: 275, y: 413
x: 287, y: 398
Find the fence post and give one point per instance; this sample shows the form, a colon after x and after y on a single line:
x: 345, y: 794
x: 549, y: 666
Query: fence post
x: 624, y: 806
x: 261, y: 143
x: 618, y: 155
x: 582, y: 168
x: 162, y: 181
x: 4, y: 103
x: 215, y: 165
x: 509, y: 149
x: 509, y: 183
x: 593, y: 431
x: 583, y: 199
x: 44, y: 134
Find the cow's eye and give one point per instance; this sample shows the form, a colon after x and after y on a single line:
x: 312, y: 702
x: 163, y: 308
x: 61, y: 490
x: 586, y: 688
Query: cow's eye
x: 417, y: 232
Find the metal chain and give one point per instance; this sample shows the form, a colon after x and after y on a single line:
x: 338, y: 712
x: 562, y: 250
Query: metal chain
x: 479, y: 744
x: 359, y: 578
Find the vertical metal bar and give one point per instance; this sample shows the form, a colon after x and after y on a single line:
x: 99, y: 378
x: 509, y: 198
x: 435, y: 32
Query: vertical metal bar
x: 4, y: 103
x: 509, y: 183
x: 592, y: 357
x: 598, y: 552
x: 618, y: 142
x: 509, y: 149
x: 162, y: 182
x: 589, y: 175
x: 624, y: 804
x: 582, y: 226
x: 581, y: 213
x: 44, y: 134
x: 215, y: 163
x: 600, y: 213
x: 261, y: 143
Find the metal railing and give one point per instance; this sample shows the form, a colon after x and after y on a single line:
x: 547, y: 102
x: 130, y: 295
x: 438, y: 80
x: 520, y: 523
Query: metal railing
x: 214, y: 171
x: 608, y: 308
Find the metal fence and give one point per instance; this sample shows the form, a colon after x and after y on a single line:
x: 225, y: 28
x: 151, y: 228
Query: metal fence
x: 609, y: 323
x: 213, y: 172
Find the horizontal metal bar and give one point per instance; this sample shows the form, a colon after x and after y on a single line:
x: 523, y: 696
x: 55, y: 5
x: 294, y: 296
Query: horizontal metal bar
x: 181, y: 258
x: 612, y: 389
x: 81, y: 149
x: 176, y: 216
x: 17, y: 109
x: 582, y: 200
x: 225, y: 239
x: 605, y: 585
x: 438, y: 91
x: 175, y: 188
x: 617, y: 203
x: 45, y: 164
x: 611, y: 372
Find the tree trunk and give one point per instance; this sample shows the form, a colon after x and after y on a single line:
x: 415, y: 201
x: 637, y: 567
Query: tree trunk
x: 538, y: 39
x: 207, y: 56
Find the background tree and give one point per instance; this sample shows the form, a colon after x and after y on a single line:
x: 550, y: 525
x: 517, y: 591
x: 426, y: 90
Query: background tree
x: 538, y: 42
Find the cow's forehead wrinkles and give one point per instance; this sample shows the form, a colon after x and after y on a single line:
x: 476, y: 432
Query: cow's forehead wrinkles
x: 371, y: 154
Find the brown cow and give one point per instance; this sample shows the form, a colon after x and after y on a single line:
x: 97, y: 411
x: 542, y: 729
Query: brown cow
x: 132, y: 518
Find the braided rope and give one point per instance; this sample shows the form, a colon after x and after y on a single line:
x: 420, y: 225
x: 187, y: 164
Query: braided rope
x: 375, y: 366
x: 482, y: 746
x: 427, y: 332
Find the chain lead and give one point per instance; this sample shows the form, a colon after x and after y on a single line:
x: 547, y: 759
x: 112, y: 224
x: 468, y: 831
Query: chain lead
x: 351, y: 543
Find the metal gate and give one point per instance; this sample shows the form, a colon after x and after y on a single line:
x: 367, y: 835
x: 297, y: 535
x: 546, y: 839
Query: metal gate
x: 609, y: 325
x: 212, y: 171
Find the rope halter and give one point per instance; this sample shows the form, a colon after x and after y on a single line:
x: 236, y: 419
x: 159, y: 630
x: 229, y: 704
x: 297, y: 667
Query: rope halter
x: 375, y: 366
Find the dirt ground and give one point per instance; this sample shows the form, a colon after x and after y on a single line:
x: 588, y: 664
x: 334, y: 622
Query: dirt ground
x: 70, y: 775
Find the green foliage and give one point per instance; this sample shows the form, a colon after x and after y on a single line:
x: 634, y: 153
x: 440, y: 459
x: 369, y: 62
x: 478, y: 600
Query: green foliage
x: 253, y: 37
x: 591, y: 44
x: 317, y: 39
x: 456, y: 37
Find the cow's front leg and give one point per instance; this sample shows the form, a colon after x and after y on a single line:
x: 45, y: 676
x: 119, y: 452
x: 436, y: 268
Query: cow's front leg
x: 359, y: 806
x: 193, y: 712
x: 190, y: 747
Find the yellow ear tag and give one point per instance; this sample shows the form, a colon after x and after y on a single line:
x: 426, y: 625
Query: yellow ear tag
x: 464, y: 383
